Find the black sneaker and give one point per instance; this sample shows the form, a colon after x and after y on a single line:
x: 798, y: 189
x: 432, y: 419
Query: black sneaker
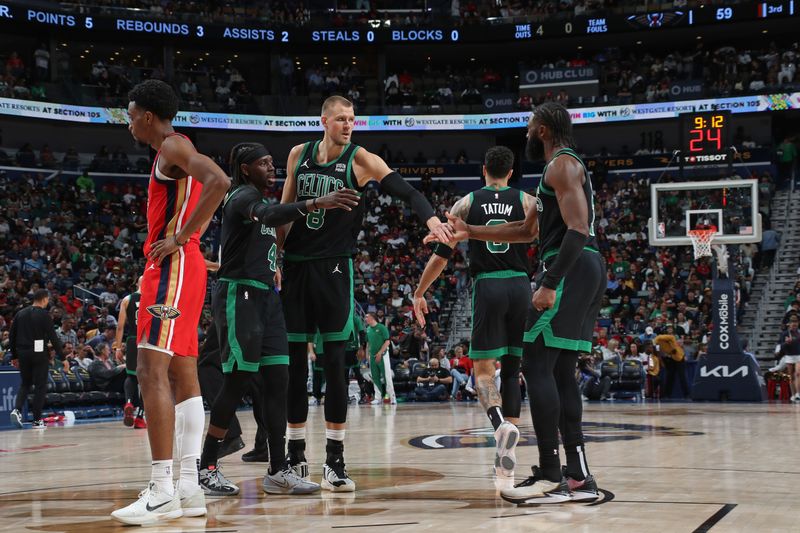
x: 256, y: 455
x: 537, y: 490
x: 584, y: 490
x: 38, y: 424
x: 230, y: 446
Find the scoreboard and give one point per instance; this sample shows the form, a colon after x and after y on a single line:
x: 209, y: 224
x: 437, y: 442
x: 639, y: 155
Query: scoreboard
x: 706, y: 138
x: 15, y: 13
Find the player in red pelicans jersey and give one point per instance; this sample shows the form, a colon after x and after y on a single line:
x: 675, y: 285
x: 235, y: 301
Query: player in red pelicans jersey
x: 185, y: 189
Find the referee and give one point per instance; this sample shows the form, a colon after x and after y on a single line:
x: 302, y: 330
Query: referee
x: 31, y: 329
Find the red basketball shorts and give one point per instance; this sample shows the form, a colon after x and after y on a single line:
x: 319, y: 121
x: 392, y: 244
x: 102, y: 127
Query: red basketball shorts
x: 172, y: 302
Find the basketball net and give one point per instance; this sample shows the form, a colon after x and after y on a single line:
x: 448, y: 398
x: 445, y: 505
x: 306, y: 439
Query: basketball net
x: 701, y: 242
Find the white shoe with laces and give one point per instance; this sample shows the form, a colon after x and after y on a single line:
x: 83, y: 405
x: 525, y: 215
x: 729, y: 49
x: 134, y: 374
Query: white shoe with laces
x: 151, y: 508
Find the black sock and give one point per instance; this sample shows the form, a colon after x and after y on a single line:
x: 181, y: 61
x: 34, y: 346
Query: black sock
x: 550, y: 462
x: 496, y: 416
x: 576, y: 462
x: 334, y: 450
x: 297, y: 450
x: 277, y: 459
x: 210, y: 451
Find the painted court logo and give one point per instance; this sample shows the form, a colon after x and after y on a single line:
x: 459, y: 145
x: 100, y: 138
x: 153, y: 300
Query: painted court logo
x: 592, y: 431
x: 164, y: 312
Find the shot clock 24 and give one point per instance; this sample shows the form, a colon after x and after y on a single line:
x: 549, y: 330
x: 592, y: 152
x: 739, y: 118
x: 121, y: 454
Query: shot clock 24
x: 706, y: 137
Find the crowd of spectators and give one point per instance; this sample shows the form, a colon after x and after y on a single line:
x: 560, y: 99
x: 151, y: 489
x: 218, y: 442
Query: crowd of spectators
x: 627, y: 75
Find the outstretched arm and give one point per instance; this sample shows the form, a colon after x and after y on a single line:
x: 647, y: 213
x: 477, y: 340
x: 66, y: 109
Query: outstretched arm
x: 370, y: 167
x: 518, y: 231
x: 437, y: 263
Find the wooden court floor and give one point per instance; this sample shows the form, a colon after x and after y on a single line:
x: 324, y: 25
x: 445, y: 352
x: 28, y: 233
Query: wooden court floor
x: 662, y: 468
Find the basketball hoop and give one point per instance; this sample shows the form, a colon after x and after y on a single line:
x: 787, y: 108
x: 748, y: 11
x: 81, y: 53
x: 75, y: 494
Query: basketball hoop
x: 701, y: 241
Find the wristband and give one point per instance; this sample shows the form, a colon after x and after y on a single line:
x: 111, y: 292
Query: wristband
x: 443, y: 251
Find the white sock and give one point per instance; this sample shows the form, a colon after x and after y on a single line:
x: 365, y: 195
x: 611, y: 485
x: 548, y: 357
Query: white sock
x: 296, y: 433
x: 335, y: 434
x: 190, y: 418
x: 161, y: 476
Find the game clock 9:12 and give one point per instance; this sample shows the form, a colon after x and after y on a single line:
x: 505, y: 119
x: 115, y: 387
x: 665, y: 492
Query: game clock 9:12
x: 706, y: 133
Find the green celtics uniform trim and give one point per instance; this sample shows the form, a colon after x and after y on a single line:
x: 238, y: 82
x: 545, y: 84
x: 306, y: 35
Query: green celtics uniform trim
x: 544, y: 328
x: 272, y: 360
x: 550, y: 253
x: 501, y: 274
x: 329, y: 163
x: 345, y: 333
x: 130, y: 372
x: 496, y: 353
x: 300, y: 337
x: 235, y: 356
x: 353, y: 184
x: 300, y: 159
x: 248, y: 282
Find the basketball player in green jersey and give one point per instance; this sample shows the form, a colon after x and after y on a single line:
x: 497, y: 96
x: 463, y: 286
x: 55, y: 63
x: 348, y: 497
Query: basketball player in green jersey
x: 570, y: 287
x: 318, y: 273
x: 501, y: 294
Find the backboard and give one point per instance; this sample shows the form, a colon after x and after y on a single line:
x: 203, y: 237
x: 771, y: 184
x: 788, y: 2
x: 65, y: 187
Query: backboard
x: 729, y: 206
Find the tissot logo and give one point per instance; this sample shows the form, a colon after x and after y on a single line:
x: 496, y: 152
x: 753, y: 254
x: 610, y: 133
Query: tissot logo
x: 723, y: 371
x: 164, y: 312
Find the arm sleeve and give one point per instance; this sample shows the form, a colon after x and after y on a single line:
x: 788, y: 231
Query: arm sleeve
x: 395, y: 185
x: 571, y: 248
x: 249, y: 205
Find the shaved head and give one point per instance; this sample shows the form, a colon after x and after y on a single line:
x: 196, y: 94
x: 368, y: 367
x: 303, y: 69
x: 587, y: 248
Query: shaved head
x: 332, y: 101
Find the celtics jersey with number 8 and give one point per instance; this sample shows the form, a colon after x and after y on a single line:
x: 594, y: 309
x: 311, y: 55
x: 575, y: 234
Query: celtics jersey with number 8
x: 323, y: 232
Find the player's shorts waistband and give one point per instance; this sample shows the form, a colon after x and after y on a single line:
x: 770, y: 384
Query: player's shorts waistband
x: 550, y: 253
x: 300, y: 258
x: 501, y: 274
x: 249, y: 282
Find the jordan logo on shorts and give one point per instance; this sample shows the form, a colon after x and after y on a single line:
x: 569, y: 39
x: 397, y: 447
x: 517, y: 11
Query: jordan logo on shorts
x: 336, y: 269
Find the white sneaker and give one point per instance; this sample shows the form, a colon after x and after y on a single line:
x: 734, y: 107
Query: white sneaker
x: 505, y: 460
x: 151, y: 507
x: 193, y: 503
x: 335, y: 478
x: 795, y: 398
x: 376, y: 401
x: 287, y: 482
x: 16, y: 419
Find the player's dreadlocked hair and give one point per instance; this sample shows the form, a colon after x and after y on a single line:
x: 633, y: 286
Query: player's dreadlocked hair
x: 242, y: 153
x: 556, y: 117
